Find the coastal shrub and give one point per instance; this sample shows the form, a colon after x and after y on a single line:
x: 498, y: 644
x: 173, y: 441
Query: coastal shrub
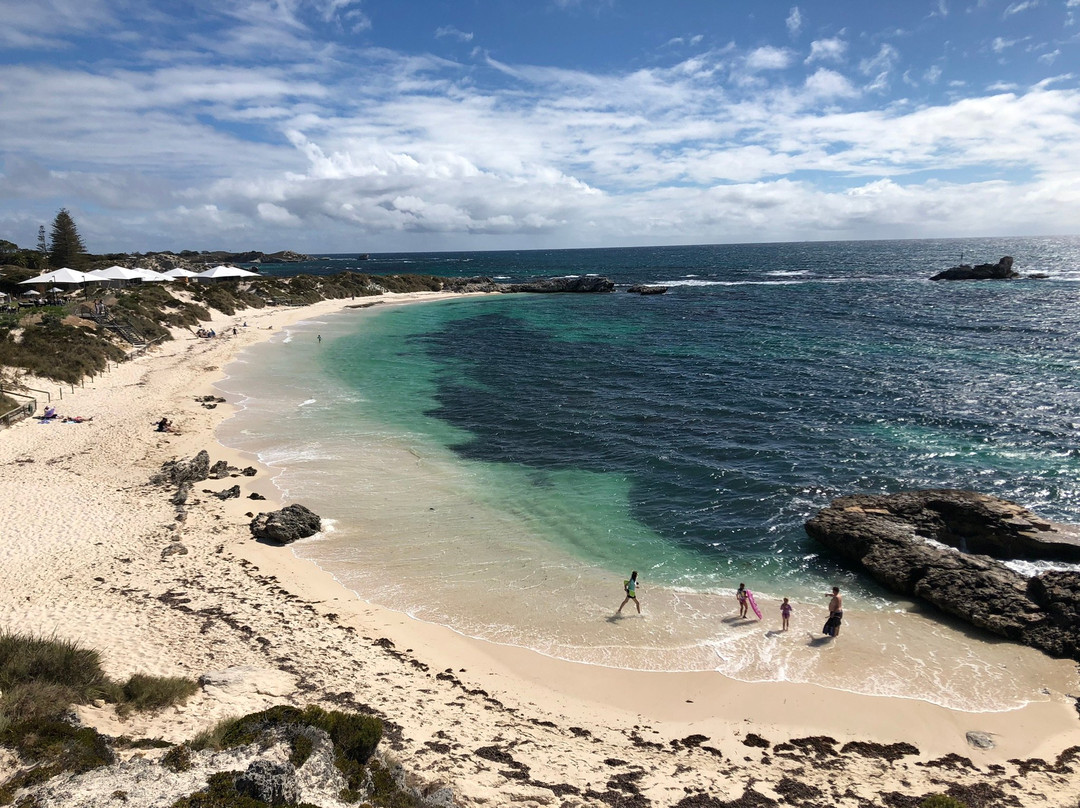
x: 386, y: 792
x: 41, y: 678
x: 53, y: 350
x: 942, y: 801
x: 355, y: 737
x: 142, y: 692
x: 409, y: 283
x: 36, y: 701
x: 54, y: 747
x: 26, y: 660
x: 177, y: 759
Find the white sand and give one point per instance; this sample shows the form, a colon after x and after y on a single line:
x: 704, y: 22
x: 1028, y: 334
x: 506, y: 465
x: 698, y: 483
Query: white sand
x: 82, y: 557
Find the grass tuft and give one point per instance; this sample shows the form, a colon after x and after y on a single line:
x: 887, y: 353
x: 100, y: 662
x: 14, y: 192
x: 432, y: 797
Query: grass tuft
x: 142, y: 692
x: 942, y: 801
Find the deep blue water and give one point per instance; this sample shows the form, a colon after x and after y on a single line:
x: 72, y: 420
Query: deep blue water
x: 768, y: 380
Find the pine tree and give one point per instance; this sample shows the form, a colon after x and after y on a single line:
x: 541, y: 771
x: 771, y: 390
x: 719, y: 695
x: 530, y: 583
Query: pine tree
x: 66, y: 247
x: 42, y: 244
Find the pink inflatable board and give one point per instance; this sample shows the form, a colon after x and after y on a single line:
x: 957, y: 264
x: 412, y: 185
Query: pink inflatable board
x: 753, y: 603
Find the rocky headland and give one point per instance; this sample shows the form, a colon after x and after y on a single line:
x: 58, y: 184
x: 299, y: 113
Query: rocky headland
x: 565, y: 283
x: 947, y: 548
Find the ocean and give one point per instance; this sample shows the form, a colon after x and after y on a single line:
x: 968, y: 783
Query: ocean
x: 500, y: 464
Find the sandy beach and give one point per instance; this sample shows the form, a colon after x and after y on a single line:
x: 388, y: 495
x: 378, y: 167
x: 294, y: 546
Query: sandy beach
x: 94, y: 552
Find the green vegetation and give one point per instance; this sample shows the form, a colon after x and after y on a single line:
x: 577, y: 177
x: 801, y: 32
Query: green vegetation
x: 62, y: 343
x: 143, y: 693
x: 942, y: 801
x: 354, y: 736
x: 177, y: 759
x: 53, y: 350
x: 66, y: 248
x: 40, y: 680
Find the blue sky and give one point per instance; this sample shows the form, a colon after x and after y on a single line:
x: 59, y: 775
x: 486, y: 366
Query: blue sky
x: 371, y: 125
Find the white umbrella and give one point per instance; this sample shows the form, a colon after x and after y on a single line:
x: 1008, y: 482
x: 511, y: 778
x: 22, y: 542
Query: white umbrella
x: 32, y: 293
x: 62, y: 275
x: 223, y: 271
x: 56, y: 289
x: 180, y: 272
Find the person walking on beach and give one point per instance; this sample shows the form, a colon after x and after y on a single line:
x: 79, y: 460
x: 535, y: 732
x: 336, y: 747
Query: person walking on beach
x: 785, y: 613
x: 836, y: 614
x: 630, y: 587
x: 740, y: 595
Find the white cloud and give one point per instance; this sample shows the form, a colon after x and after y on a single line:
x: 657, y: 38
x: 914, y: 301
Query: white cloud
x: 794, y: 21
x: 326, y: 146
x: 827, y: 50
x: 453, y: 33
x: 878, y: 68
x: 768, y: 58
x: 1018, y: 8
x: 826, y: 84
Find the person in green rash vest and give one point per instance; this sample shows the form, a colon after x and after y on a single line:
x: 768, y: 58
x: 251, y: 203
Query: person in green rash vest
x: 630, y: 587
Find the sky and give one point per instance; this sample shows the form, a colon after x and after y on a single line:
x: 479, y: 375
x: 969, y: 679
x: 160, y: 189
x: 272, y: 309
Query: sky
x: 417, y: 125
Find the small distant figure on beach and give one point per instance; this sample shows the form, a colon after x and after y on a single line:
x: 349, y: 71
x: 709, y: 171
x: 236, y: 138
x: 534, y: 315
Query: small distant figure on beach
x: 744, y: 601
x: 785, y: 614
x: 836, y: 614
x: 320, y: 337
x: 50, y: 412
x: 234, y: 331
x: 165, y: 425
x: 630, y: 587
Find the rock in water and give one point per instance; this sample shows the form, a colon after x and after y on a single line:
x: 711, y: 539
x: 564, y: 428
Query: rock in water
x: 287, y: 525
x: 919, y: 543
x: 1001, y: 271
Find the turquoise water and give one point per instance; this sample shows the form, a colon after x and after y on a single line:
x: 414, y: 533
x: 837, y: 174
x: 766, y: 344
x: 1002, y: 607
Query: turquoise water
x: 499, y: 465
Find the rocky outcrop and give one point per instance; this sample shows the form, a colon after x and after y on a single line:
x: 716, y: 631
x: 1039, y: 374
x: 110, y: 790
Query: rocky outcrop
x: 642, y: 289
x: 567, y: 283
x: 1000, y: 271
x: 946, y: 546
x: 178, y: 472
x: 291, y: 523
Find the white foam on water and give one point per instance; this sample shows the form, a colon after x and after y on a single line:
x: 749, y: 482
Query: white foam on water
x: 307, y: 402
x: 1030, y: 569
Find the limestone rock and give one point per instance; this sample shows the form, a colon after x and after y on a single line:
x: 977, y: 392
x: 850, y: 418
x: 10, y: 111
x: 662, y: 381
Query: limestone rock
x: 921, y: 544
x: 184, y: 471
x: 980, y: 740
x: 1002, y: 270
x: 174, y: 548
x: 219, y: 470
x: 273, y: 783
x: 287, y: 525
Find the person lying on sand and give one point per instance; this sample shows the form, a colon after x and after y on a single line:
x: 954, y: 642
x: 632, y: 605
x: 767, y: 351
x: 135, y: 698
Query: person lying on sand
x: 165, y: 425
x: 77, y: 419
